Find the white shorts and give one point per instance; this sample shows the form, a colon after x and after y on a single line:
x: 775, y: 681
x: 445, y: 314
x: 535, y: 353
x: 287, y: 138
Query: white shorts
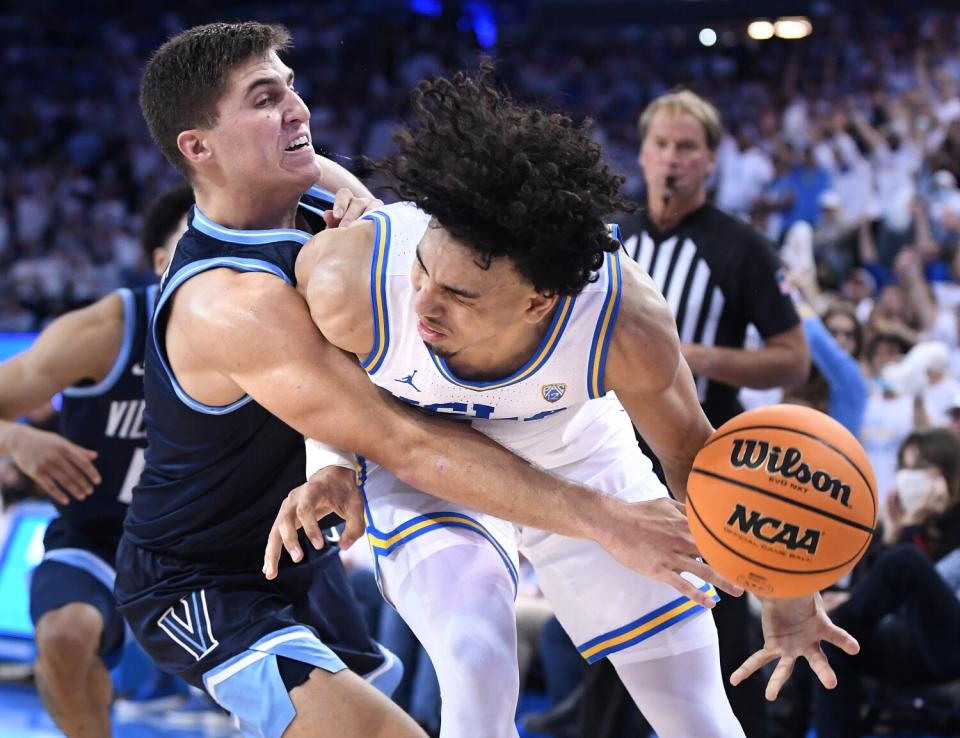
x: 606, y: 608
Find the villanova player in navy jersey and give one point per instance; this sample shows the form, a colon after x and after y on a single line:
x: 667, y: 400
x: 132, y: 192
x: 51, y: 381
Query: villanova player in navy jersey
x: 95, y: 356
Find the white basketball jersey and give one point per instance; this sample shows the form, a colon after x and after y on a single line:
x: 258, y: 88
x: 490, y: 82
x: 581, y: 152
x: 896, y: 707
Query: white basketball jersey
x: 552, y: 411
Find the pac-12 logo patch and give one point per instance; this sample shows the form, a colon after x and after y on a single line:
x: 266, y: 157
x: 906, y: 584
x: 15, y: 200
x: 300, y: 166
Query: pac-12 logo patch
x: 553, y: 392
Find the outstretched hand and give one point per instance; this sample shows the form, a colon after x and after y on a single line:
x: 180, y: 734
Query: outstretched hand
x: 58, y: 466
x: 793, y: 628
x: 332, y: 489
x: 654, y: 539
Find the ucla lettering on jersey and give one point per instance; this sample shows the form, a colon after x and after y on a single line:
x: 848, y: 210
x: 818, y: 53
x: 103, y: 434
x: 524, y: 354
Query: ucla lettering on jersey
x: 541, y: 410
x: 107, y: 417
x: 203, y: 493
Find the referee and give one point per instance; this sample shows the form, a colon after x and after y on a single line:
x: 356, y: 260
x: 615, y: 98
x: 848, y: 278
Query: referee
x: 719, y: 275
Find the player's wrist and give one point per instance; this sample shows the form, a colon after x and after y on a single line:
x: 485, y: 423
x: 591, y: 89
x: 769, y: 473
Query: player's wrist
x: 599, y: 517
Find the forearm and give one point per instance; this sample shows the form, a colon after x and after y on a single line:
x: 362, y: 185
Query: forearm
x: 9, y: 431
x: 452, y: 461
x: 769, y: 366
x: 333, y: 177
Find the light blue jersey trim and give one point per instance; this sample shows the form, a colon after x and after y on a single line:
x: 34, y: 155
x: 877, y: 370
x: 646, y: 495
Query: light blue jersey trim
x: 192, y: 270
x: 249, y: 685
x: 80, y: 558
x: 320, y: 192
x: 387, y: 676
x: 206, y: 226
x: 123, y: 356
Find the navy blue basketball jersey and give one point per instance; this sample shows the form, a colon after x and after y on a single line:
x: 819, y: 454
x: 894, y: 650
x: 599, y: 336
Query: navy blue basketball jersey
x: 215, y: 476
x: 107, y: 417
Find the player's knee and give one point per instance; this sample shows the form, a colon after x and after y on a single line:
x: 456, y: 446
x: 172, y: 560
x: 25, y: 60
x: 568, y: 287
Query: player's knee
x: 67, y: 637
x: 486, y: 652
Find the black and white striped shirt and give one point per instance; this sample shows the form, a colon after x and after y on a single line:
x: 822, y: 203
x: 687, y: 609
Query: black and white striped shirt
x: 718, y: 276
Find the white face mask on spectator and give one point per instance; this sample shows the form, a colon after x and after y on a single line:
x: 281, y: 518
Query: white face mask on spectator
x: 913, y: 485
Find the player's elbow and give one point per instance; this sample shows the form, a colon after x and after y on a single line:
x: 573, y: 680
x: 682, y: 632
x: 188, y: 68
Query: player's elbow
x: 796, y: 367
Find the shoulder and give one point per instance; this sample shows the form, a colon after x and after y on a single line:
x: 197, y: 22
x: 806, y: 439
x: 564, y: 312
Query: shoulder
x: 333, y: 275
x: 645, y: 348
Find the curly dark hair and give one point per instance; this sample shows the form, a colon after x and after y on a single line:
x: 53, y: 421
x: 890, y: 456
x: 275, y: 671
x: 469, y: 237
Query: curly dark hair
x: 186, y: 77
x: 509, y: 180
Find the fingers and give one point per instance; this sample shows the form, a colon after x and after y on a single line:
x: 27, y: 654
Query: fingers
x: 52, y: 491
x: 308, y: 520
x: 286, y: 525
x: 271, y: 554
x: 842, y: 640
x: 779, y: 677
x: 821, y: 667
x: 82, y: 459
x: 707, y: 573
x: 357, y: 207
x: 354, y: 527
x: 68, y: 478
x: 688, y: 590
x: 340, y: 203
x: 757, y: 661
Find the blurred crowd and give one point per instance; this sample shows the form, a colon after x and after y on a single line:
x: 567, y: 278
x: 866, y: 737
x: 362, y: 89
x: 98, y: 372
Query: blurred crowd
x: 843, y: 148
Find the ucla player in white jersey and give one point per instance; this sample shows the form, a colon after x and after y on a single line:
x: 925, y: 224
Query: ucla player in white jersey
x: 498, y: 294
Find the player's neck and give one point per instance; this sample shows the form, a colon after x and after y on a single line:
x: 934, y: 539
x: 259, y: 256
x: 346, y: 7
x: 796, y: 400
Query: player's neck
x: 666, y: 212
x: 248, y: 211
x: 503, y: 355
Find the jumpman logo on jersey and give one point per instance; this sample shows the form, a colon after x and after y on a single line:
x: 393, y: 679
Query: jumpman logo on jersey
x: 408, y: 380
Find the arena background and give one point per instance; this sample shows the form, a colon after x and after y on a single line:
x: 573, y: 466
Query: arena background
x: 77, y: 169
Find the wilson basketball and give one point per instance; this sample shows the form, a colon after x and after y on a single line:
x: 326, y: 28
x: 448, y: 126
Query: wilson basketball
x: 782, y: 500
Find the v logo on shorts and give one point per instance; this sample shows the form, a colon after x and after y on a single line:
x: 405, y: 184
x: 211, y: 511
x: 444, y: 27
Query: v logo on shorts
x: 192, y: 631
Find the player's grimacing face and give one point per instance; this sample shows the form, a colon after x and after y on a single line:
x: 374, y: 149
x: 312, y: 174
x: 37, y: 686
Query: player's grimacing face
x: 676, y: 147
x: 459, y: 303
x: 262, y: 135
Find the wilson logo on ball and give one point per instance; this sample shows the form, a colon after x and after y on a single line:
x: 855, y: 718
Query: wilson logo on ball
x: 789, y: 464
x: 772, y: 530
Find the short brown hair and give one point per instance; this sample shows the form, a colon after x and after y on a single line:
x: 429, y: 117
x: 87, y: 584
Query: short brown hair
x: 186, y: 77
x: 684, y: 101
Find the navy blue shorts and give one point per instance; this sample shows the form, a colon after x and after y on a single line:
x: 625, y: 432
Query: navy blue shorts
x: 223, y: 628
x: 75, y: 571
x: 71, y: 575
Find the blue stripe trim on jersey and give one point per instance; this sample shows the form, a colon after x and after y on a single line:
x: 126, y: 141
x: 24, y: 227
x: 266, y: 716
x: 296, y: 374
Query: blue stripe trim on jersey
x: 378, y: 292
x: 255, y: 672
x: 80, y: 558
x: 643, y: 628
x: 387, y: 676
x: 312, y: 209
x: 385, y: 543
x: 321, y: 194
x: 561, y: 316
x: 151, y: 292
x: 206, y: 226
x: 191, y: 270
x: 123, y: 356
x: 597, y: 362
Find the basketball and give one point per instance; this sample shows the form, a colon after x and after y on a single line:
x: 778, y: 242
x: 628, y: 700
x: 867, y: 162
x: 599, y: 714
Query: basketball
x: 782, y: 501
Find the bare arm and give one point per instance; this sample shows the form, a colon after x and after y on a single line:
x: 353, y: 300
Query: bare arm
x: 80, y: 345
x: 784, y: 361
x: 255, y: 332
x: 652, y: 380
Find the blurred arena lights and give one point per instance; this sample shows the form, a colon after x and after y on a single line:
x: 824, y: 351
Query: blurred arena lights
x: 708, y: 37
x: 793, y: 27
x: 760, y: 30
